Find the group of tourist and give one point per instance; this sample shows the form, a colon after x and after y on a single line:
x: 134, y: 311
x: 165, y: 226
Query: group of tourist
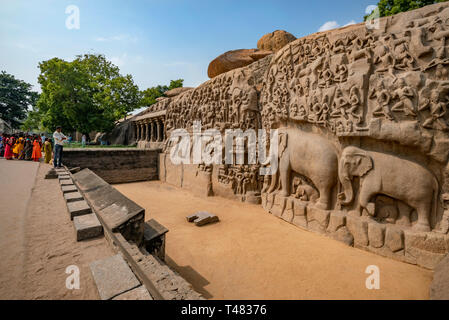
x: 32, y: 147
x: 23, y: 146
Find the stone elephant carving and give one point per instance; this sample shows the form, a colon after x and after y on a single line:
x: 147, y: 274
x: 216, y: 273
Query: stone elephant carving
x: 310, y: 155
x: 388, y: 175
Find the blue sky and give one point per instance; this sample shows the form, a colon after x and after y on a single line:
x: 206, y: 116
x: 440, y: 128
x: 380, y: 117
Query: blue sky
x: 155, y: 40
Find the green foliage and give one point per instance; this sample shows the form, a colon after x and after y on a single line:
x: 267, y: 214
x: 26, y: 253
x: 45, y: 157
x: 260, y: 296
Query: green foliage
x: 391, y: 7
x: 150, y: 95
x: 15, y: 99
x: 87, y: 94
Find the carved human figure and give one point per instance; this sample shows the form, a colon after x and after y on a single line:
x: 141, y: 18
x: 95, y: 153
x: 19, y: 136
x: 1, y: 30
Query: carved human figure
x: 405, y: 95
x: 383, y: 99
x: 386, y: 174
x: 437, y: 110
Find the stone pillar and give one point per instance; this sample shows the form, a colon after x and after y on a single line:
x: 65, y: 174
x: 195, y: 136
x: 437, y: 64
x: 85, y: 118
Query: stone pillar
x: 142, y: 132
x: 158, y: 130
x: 153, y: 134
x: 147, y: 134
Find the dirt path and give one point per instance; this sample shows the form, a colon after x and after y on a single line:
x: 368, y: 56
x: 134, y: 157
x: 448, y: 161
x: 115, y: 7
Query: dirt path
x: 16, y: 181
x: 47, y: 243
x: 251, y: 254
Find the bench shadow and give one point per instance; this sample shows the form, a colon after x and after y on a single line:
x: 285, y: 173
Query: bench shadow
x: 197, y: 281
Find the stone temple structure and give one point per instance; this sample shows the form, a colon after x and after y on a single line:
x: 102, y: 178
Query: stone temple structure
x: 363, y: 134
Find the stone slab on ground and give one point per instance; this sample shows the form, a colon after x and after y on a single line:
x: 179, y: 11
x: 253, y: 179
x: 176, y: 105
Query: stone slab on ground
x: 57, y: 170
x: 439, y: 289
x: 113, y: 277
x: 202, y: 218
x: 87, y: 227
x: 78, y: 208
x: 73, y: 196
x: 139, y: 293
x: 69, y: 188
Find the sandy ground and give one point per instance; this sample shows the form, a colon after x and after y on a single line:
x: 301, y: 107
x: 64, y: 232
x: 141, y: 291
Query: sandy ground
x: 41, y: 242
x: 251, y: 254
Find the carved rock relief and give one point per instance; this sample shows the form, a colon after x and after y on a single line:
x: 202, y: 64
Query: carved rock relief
x: 364, y: 133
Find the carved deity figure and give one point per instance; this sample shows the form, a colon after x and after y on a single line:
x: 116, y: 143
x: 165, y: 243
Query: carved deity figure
x: 383, y: 99
x: 437, y: 110
x: 405, y: 95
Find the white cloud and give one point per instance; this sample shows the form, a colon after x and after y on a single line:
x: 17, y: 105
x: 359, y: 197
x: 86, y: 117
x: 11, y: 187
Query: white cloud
x: 329, y: 26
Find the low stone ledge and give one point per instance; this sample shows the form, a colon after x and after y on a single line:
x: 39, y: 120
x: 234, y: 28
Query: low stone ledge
x: 155, y: 274
x: 425, y: 249
x: 115, y: 211
x: 113, y: 277
x: 87, y: 227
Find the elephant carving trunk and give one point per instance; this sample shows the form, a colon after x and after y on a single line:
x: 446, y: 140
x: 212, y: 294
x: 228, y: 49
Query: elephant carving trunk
x: 347, y: 195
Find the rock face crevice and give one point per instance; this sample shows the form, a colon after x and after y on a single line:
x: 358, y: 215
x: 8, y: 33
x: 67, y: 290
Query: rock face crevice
x: 363, y: 134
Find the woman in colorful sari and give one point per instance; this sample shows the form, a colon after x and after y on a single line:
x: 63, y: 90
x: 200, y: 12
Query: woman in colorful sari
x: 20, y: 148
x: 8, y: 148
x: 28, y: 149
x: 37, y: 154
x: 15, y: 148
x: 47, y: 150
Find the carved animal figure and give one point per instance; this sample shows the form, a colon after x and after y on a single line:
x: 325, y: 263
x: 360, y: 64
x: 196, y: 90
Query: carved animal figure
x: 310, y: 155
x: 389, y: 175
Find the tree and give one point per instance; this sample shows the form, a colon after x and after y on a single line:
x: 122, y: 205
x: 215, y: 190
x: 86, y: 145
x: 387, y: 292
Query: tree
x: 15, y: 99
x: 87, y: 94
x: 150, y: 95
x: 391, y: 7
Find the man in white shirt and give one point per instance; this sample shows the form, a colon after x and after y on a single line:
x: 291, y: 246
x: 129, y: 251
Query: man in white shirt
x: 58, y: 138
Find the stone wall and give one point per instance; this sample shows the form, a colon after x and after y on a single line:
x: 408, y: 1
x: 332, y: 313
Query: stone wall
x: 363, y: 129
x: 115, y: 165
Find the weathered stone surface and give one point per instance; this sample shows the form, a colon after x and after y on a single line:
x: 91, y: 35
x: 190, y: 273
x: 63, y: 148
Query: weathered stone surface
x: 275, y: 41
x: 394, y: 239
x: 336, y: 221
x: 427, y: 249
x: 66, y: 182
x: 376, y: 234
x: 69, y: 188
x: 119, y: 165
x: 177, y: 91
x: 116, y: 211
x: 234, y: 59
x: 87, y: 227
x: 78, y: 208
x: 278, y: 206
x: 202, y: 218
x: 317, y: 219
x: 288, y: 213
x: 113, y: 277
x: 73, y: 196
x: 343, y: 235
x: 439, y: 289
x: 139, y: 293
x: 359, y: 230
